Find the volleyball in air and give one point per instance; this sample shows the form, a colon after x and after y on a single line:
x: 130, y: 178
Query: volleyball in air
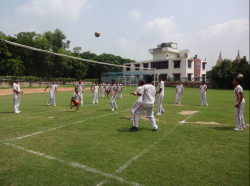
x: 97, y: 34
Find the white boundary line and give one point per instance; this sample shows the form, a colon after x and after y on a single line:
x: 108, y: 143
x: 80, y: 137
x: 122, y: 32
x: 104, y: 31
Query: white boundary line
x: 21, y: 137
x: 19, y: 115
x: 75, y: 164
x: 123, y: 167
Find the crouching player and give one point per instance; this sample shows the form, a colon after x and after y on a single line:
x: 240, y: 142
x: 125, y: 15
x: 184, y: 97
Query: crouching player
x: 148, y: 92
x: 76, y: 96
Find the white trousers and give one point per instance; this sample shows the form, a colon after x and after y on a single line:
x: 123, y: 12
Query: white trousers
x: 52, y: 96
x: 102, y: 93
x: 16, y: 103
x: 81, y: 96
x: 239, y: 118
x: 95, y: 97
x: 119, y: 95
x: 135, y: 107
x: 150, y: 114
x: 113, y: 103
x: 178, y: 96
x: 159, y: 104
x: 203, y: 97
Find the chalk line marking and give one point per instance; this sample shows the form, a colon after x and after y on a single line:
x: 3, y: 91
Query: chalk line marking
x: 21, y: 137
x: 151, y: 146
x: 19, y: 115
x: 75, y: 165
x: 123, y: 167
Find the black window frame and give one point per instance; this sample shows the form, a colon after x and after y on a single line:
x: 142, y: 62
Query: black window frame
x: 160, y: 64
x: 175, y: 62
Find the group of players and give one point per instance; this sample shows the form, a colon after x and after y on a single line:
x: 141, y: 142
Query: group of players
x: 145, y: 98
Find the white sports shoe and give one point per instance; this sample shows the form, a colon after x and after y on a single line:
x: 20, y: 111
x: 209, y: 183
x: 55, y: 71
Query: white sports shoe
x: 206, y: 104
x: 19, y: 111
x: 112, y: 109
x: 158, y: 114
x: 47, y: 104
x: 237, y: 129
x: 116, y: 108
x: 54, y: 105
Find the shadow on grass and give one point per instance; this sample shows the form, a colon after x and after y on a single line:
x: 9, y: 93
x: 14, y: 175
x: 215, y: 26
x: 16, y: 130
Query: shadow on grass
x: 223, y: 128
x: 127, y: 129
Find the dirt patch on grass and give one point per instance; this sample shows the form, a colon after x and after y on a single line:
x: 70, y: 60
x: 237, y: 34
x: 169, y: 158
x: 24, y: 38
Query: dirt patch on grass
x: 248, y: 124
x: 37, y: 90
x: 187, y: 112
x: 51, y: 117
x: 205, y: 123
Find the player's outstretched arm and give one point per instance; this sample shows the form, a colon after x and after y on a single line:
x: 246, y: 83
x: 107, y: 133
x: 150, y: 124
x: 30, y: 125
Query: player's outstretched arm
x: 46, y: 88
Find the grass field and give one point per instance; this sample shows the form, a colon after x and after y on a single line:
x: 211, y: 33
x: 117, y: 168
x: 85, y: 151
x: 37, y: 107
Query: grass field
x: 47, y: 145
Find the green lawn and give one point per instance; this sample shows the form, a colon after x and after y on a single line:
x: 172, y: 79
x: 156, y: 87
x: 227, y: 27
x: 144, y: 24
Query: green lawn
x: 95, y: 147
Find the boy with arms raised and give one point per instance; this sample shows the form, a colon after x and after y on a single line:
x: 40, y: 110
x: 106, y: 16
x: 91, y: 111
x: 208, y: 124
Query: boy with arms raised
x: 148, y: 93
x: 113, y: 91
x: 179, y: 92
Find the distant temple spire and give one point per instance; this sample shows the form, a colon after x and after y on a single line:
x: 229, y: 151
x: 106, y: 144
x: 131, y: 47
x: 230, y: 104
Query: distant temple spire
x: 238, y: 57
x: 219, y: 60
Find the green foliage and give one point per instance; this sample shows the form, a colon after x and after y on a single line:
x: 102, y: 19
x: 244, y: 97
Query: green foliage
x: 16, y: 61
x: 222, y: 75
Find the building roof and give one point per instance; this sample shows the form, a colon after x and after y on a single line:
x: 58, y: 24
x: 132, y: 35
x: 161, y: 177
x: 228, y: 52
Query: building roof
x: 238, y: 57
x: 219, y: 60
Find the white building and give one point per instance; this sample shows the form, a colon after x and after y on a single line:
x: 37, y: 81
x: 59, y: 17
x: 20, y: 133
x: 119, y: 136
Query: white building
x: 171, y: 63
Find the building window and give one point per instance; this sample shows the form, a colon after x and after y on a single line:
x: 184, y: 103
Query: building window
x: 177, y: 64
x: 203, y: 66
x: 137, y: 67
x: 164, y: 77
x: 137, y: 76
x: 203, y: 77
x: 185, y: 55
x: 197, y: 65
x: 189, y: 64
x: 177, y: 77
x: 159, y: 65
x: 145, y: 66
x: 128, y: 68
x: 197, y: 78
x: 189, y: 77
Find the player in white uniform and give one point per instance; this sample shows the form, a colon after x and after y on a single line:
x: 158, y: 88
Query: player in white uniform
x: 139, y: 98
x: 119, y: 86
x: 95, y: 91
x: 80, y: 86
x: 16, y: 96
x: 148, y: 93
x: 239, y: 104
x: 179, y: 92
x: 203, y: 90
x: 160, y: 96
x: 113, y: 91
x: 107, y: 87
x: 102, y: 85
x: 53, y: 91
x: 74, y: 99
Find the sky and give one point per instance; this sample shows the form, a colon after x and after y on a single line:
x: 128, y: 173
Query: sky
x: 129, y: 28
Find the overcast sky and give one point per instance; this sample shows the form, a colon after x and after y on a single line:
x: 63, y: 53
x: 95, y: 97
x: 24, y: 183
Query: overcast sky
x: 130, y: 27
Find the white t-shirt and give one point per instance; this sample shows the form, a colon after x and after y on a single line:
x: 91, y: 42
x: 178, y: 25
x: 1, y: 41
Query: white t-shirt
x: 95, y: 88
x: 102, y: 86
x: 107, y: 86
x: 139, y: 98
x: 16, y: 87
x: 80, y: 87
x: 52, y: 87
x: 203, y: 88
x: 237, y: 91
x: 113, y: 89
x: 161, y: 85
x: 148, y: 93
x: 119, y: 86
x: 76, y: 96
x: 179, y: 88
